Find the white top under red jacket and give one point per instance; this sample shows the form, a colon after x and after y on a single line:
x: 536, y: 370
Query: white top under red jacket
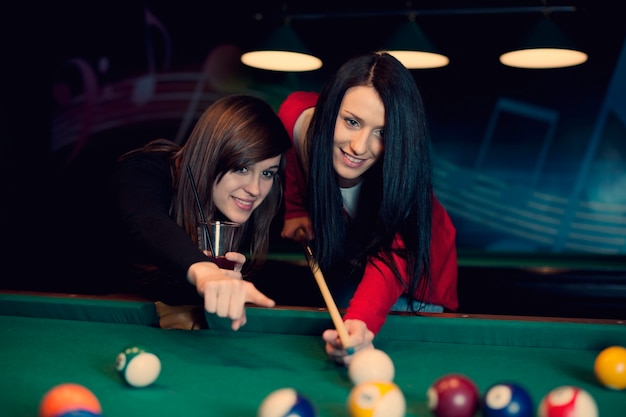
x: 379, y: 288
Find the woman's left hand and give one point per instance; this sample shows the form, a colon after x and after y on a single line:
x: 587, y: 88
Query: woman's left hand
x: 360, y: 338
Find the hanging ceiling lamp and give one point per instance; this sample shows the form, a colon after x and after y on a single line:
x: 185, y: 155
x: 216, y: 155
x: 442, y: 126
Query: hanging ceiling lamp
x: 545, y: 46
x: 411, y: 47
x: 282, y: 51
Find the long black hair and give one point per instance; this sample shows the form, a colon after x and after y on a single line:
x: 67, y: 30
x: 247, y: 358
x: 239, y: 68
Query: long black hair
x: 396, y: 193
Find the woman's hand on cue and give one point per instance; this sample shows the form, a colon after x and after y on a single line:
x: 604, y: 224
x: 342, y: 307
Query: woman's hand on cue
x: 225, y: 292
x: 360, y: 338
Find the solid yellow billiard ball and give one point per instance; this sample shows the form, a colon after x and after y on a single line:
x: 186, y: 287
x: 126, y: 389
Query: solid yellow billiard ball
x: 610, y: 367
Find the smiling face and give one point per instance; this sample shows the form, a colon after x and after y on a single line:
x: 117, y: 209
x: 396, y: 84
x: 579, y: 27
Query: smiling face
x: 358, y: 141
x: 241, y: 191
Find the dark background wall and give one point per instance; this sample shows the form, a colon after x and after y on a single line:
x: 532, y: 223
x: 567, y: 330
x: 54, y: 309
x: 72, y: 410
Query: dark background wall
x: 531, y: 164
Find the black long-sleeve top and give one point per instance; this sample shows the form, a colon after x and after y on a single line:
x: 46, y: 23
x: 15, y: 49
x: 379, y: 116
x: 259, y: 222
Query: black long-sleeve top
x: 144, y: 196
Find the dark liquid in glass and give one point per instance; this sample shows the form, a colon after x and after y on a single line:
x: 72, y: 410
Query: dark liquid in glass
x: 223, y: 263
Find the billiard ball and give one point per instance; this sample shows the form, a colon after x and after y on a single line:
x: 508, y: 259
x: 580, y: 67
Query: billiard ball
x: 453, y: 395
x: 138, y: 366
x: 567, y: 401
x: 376, y: 399
x: 69, y: 399
x: 286, y: 402
x: 507, y: 400
x: 610, y: 367
x: 371, y: 365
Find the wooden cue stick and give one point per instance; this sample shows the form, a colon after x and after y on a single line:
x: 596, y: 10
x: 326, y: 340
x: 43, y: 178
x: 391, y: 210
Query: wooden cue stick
x: 328, y: 298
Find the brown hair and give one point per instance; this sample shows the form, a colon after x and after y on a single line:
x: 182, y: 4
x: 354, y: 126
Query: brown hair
x: 234, y: 132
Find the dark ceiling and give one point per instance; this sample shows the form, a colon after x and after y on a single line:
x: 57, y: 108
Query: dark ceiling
x: 470, y: 32
x: 39, y: 40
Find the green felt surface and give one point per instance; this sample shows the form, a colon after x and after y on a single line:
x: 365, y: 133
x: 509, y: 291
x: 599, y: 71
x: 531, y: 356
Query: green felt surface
x: 79, y: 308
x: 218, y: 372
x: 481, y: 258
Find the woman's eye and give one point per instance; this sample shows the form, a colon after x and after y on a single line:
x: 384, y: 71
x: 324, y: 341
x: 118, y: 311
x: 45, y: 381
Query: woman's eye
x: 241, y: 170
x: 269, y: 174
x: 352, y: 122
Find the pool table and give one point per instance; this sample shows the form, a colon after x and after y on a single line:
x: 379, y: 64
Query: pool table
x: 47, y: 339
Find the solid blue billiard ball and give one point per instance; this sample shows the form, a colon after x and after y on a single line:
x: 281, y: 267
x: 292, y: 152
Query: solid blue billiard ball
x: 286, y: 402
x: 138, y: 366
x: 507, y: 400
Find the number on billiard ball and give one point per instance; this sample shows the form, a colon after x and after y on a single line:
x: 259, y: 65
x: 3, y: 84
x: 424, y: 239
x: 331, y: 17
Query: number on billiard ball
x: 69, y: 399
x: 507, y: 400
x: 376, y: 399
x: 610, y: 367
x: 286, y: 402
x: 568, y: 401
x: 453, y: 395
x: 138, y: 366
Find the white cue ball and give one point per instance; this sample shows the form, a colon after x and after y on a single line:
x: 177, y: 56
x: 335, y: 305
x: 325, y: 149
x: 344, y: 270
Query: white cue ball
x: 371, y: 365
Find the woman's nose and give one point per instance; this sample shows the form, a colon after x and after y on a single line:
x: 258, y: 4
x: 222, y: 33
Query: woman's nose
x: 253, y: 187
x: 358, y: 144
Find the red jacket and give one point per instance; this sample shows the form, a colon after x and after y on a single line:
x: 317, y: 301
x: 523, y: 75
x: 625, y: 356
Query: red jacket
x: 378, y: 289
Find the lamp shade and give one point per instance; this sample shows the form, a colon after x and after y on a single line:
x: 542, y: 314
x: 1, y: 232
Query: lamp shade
x: 545, y: 46
x: 411, y: 47
x: 282, y: 51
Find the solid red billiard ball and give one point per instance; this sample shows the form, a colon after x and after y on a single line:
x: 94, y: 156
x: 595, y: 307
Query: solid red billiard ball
x: 610, y: 367
x: 69, y: 399
x: 507, y: 400
x: 453, y: 395
x: 568, y: 401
